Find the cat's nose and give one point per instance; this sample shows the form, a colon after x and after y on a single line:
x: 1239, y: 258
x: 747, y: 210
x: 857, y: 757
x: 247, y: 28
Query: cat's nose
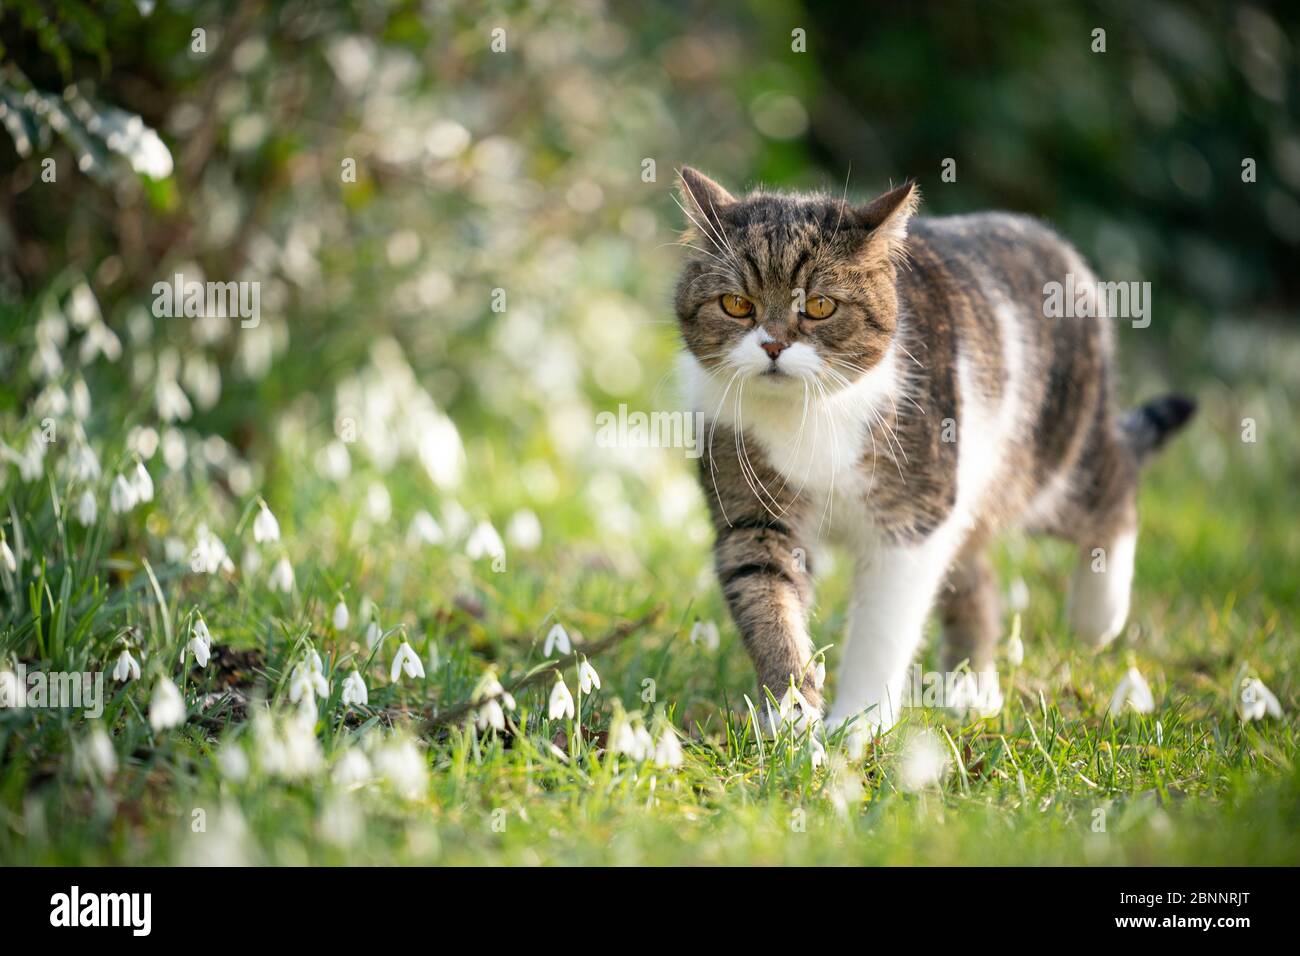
x: 773, y: 349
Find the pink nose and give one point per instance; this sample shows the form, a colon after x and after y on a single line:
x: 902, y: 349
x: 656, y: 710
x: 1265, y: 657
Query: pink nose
x: 773, y: 349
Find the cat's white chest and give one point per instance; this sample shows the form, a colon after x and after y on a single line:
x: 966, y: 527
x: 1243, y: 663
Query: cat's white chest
x: 820, y: 442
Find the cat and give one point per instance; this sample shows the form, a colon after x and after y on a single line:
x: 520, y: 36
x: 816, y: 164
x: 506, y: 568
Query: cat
x: 891, y: 384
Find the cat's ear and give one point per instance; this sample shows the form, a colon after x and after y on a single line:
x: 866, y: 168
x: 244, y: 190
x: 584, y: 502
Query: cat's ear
x: 703, y: 199
x: 886, y: 217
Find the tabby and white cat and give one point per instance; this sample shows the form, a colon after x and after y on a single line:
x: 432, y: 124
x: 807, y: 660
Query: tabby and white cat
x: 891, y: 384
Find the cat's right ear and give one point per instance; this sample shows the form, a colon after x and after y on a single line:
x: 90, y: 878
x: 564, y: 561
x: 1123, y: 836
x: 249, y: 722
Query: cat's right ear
x: 703, y: 199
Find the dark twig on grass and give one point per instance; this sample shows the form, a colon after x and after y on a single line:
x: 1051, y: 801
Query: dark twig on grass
x: 620, y: 632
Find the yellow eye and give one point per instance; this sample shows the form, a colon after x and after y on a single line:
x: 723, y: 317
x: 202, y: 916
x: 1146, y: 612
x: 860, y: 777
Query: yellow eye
x: 736, y: 306
x: 819, y: 307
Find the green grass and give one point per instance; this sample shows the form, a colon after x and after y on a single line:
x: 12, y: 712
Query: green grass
x: 1188, y: 784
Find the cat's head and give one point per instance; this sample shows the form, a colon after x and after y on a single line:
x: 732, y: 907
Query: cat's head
x: 784, y: 288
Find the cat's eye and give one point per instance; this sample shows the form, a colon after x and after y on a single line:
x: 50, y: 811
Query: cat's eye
x: 736, y: 306
x: 819, y: 307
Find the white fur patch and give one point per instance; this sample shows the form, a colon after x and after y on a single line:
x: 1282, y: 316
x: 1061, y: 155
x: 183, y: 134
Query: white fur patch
x: 1099, y: 599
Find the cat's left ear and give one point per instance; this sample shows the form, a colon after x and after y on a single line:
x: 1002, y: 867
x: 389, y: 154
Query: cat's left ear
x: 886, y: 218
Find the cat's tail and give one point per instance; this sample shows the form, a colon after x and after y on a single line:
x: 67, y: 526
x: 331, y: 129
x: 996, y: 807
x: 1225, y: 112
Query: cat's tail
x: 1150, y: 425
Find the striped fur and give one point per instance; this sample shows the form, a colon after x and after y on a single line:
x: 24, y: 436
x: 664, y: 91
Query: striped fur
x: 935, y: 407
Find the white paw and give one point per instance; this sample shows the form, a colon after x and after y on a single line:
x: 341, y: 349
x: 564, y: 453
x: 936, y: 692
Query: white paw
x: 978, y: 695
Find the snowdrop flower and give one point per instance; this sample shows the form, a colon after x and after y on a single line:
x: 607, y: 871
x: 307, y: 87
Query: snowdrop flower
x: 856, y: 740
x: 126, y: 668
x: 706, y: 632
x: 354, y: 690
x: 340, y: 616
x: 497, y: 701
x: 307, y: 681
x: 557, y: 639
x: 925, y: 761
x: 84, y: 464
x: 281, y: 578
x: 668, y: 752
x: 630, y: 739
x: 561, y: 703
x: 122, y: 496
x: 167, y: 707
x: 1015, y: 647
x: 352, y: 769
x: 265, y: 527
x: 94, y: 756
x: 10, y: 692
x: 87, y: 509
x: 484, y: 542
x: 200, y: 644
x: 524, y: 530
x: 425, y: 530
x: 406, y: 660
x: 301, y: 754
x: 1255, y: 701
x: 232, y: 762
x: 373, y: 634
x: 1132, y: 692
x: 7, y: 557
x: 209, y: 555
x: 817, y: 751
x: 587, y: 677
x: 142, y: 483
x: 402, y: 766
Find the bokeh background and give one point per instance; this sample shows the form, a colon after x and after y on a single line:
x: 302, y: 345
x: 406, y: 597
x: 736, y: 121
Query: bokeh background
x: 382, y: 405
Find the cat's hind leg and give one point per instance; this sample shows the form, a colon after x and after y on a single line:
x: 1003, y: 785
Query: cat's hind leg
x: 969, y: 608
x: 1104, y: 526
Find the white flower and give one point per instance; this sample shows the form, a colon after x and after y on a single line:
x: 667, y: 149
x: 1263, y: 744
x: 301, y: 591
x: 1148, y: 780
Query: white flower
x: 557, y: 639
x: 856, y: 740
x: 1015, y: 649
x: 85, y: 465
x: 484, y: 542
x: 1255, y: 701
x: 126, y: 668
x: 425, y: 530
x: 524, y: 531
x: 406, y: 660
x: 403, y: 767
x: 167, y: 707
x: 817, y: 750
x: 1132, y: 692
x: 95, y: 756
x: 232, y: 762
x: 490, y: 715
x: 265, y: 527
x: 354, y: 690
x: 209, y: 555
x: 87, y: 509
x: 7, y: 557
x: 200, y: 651
x: 668, y: 752
x: 340, y: 616
x: 122, y: 496
x: 142, y: 483
x: 925, y: 761
x: 587, y: 677
x: 281, y: 578
x: 10, y: 690
x: 706, y: 632
x: 629, y: 738
x: 352, y: 769
x: 300, y: 754
x: 373, y: 634
x: 497, y: 701
x: 200, y: 644
x: 561, y: 704
x: 307, y: 680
